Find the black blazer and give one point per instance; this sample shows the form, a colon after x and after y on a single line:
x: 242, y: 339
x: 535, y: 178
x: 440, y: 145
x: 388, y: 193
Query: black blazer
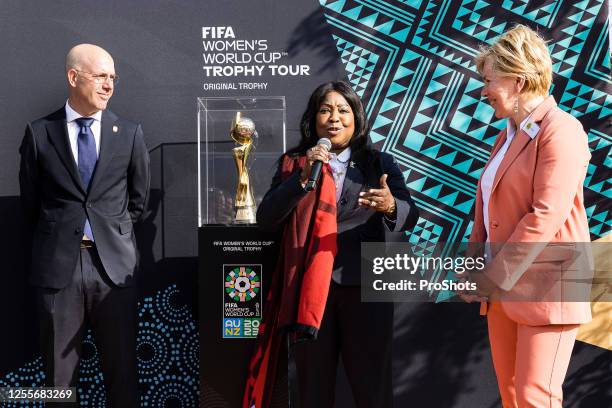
x: 56, y: 203
x: 355, y: 224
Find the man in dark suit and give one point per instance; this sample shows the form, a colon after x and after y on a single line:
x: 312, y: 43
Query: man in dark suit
x: 84, y: 181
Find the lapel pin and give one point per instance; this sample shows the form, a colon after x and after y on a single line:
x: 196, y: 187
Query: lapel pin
x: 532, y: 129
x: 115, y: 129
x: 352, y: 164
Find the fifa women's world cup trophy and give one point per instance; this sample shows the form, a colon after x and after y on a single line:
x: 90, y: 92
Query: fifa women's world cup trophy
x: 244, y: 134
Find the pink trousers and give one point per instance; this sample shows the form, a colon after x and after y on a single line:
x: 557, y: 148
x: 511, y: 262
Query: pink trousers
x: 530, y: 361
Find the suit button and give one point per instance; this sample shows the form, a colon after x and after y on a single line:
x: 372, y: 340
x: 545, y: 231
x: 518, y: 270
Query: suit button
x: 343, y: 201
x: 89, y: 204
x: 78, y: 230
x: 494, y: 224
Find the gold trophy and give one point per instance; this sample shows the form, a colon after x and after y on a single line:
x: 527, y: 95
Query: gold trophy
x: 243, y: 132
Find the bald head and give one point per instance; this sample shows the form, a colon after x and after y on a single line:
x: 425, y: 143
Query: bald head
x: 90, y: 71
x: 84, y: 54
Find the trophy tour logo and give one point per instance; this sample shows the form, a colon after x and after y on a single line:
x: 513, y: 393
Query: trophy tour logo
x: 241, y: 301
x: 227, y: 56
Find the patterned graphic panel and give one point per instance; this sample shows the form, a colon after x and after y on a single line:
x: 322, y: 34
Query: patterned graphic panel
x: 418, y: 81
x: 167, y: 352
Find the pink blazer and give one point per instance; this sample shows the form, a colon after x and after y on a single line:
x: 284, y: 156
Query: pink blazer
x: 537, y: 197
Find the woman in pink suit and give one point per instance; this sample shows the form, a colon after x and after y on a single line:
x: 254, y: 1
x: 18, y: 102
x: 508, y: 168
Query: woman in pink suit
x: 530, y: 192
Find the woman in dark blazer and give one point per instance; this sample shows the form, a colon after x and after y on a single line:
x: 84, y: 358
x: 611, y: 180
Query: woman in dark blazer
x: 371, y: 198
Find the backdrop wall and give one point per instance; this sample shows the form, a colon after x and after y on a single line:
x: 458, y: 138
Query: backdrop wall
x: 409, y: 60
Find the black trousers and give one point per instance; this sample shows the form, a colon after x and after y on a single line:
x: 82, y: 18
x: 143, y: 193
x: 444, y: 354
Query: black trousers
x: 91, y: 299
x: 362, y: 333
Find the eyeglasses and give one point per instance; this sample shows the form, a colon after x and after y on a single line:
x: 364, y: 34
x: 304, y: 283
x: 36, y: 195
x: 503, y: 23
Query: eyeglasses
x: 101, y: 78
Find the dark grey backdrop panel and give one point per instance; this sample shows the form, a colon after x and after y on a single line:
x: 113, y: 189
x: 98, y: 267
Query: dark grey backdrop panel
x: 157, y: 47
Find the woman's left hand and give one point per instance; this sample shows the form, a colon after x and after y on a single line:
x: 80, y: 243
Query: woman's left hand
x: 379, y: 199
x: 470, y: 296
x: 485, y: 287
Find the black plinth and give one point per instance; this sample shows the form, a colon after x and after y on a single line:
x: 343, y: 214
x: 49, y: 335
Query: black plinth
x: 236, y: 263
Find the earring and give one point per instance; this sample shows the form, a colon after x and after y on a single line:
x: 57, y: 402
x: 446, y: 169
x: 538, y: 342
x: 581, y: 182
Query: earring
x: 516, y: 105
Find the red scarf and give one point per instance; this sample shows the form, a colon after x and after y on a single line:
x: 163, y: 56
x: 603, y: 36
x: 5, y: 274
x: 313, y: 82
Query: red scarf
x: 298, y: 292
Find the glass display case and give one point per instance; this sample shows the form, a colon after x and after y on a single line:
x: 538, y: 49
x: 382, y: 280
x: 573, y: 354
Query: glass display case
x: 239, y: 143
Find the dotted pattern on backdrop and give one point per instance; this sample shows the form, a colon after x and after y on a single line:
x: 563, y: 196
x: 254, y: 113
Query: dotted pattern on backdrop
x: 411, y: 62
x: 167, y: 352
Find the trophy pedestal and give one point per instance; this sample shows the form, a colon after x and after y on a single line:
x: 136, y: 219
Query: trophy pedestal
x: 245, y: 215
x: 236, y: 266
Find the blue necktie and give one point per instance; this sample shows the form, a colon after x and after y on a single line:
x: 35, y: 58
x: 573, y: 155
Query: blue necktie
x: 87, y: 159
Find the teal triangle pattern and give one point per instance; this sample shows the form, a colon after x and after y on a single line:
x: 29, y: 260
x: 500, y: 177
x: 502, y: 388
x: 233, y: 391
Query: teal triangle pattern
x: 425, y: 235
x: 580, y: 99
x: 474, y: 116
x: 358, y: 62
x: 599, y: 169
x: 570, y: 40
x: 471, y: 22
x: 542, y: 14
x: 377, y: 17
x: 600, y: 221
x: 428, y: 111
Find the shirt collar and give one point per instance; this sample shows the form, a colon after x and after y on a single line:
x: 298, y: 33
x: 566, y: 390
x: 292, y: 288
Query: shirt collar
x: 344, y: 156
x: 511, y: 130
x: 72, y: 115
x: 536, y: 115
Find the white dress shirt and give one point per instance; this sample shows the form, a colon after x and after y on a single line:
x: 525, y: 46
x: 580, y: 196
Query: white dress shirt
x: 339, y: 164
x: 488, y: 178
x: 74, y: 129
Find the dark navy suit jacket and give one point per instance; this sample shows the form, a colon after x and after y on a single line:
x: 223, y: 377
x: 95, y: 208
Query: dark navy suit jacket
x: 56, y: 202
x: 355, y: 224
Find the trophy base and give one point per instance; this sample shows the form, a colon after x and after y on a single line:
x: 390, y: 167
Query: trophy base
x: 245, y: 215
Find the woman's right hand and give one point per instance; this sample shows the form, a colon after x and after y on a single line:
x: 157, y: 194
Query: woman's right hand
x: 317, y: 152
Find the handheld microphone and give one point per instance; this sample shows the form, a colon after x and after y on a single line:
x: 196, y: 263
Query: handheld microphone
x: 315, y: 172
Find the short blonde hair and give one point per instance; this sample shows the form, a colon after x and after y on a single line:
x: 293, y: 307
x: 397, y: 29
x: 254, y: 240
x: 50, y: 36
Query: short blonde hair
x: 520, y: 52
